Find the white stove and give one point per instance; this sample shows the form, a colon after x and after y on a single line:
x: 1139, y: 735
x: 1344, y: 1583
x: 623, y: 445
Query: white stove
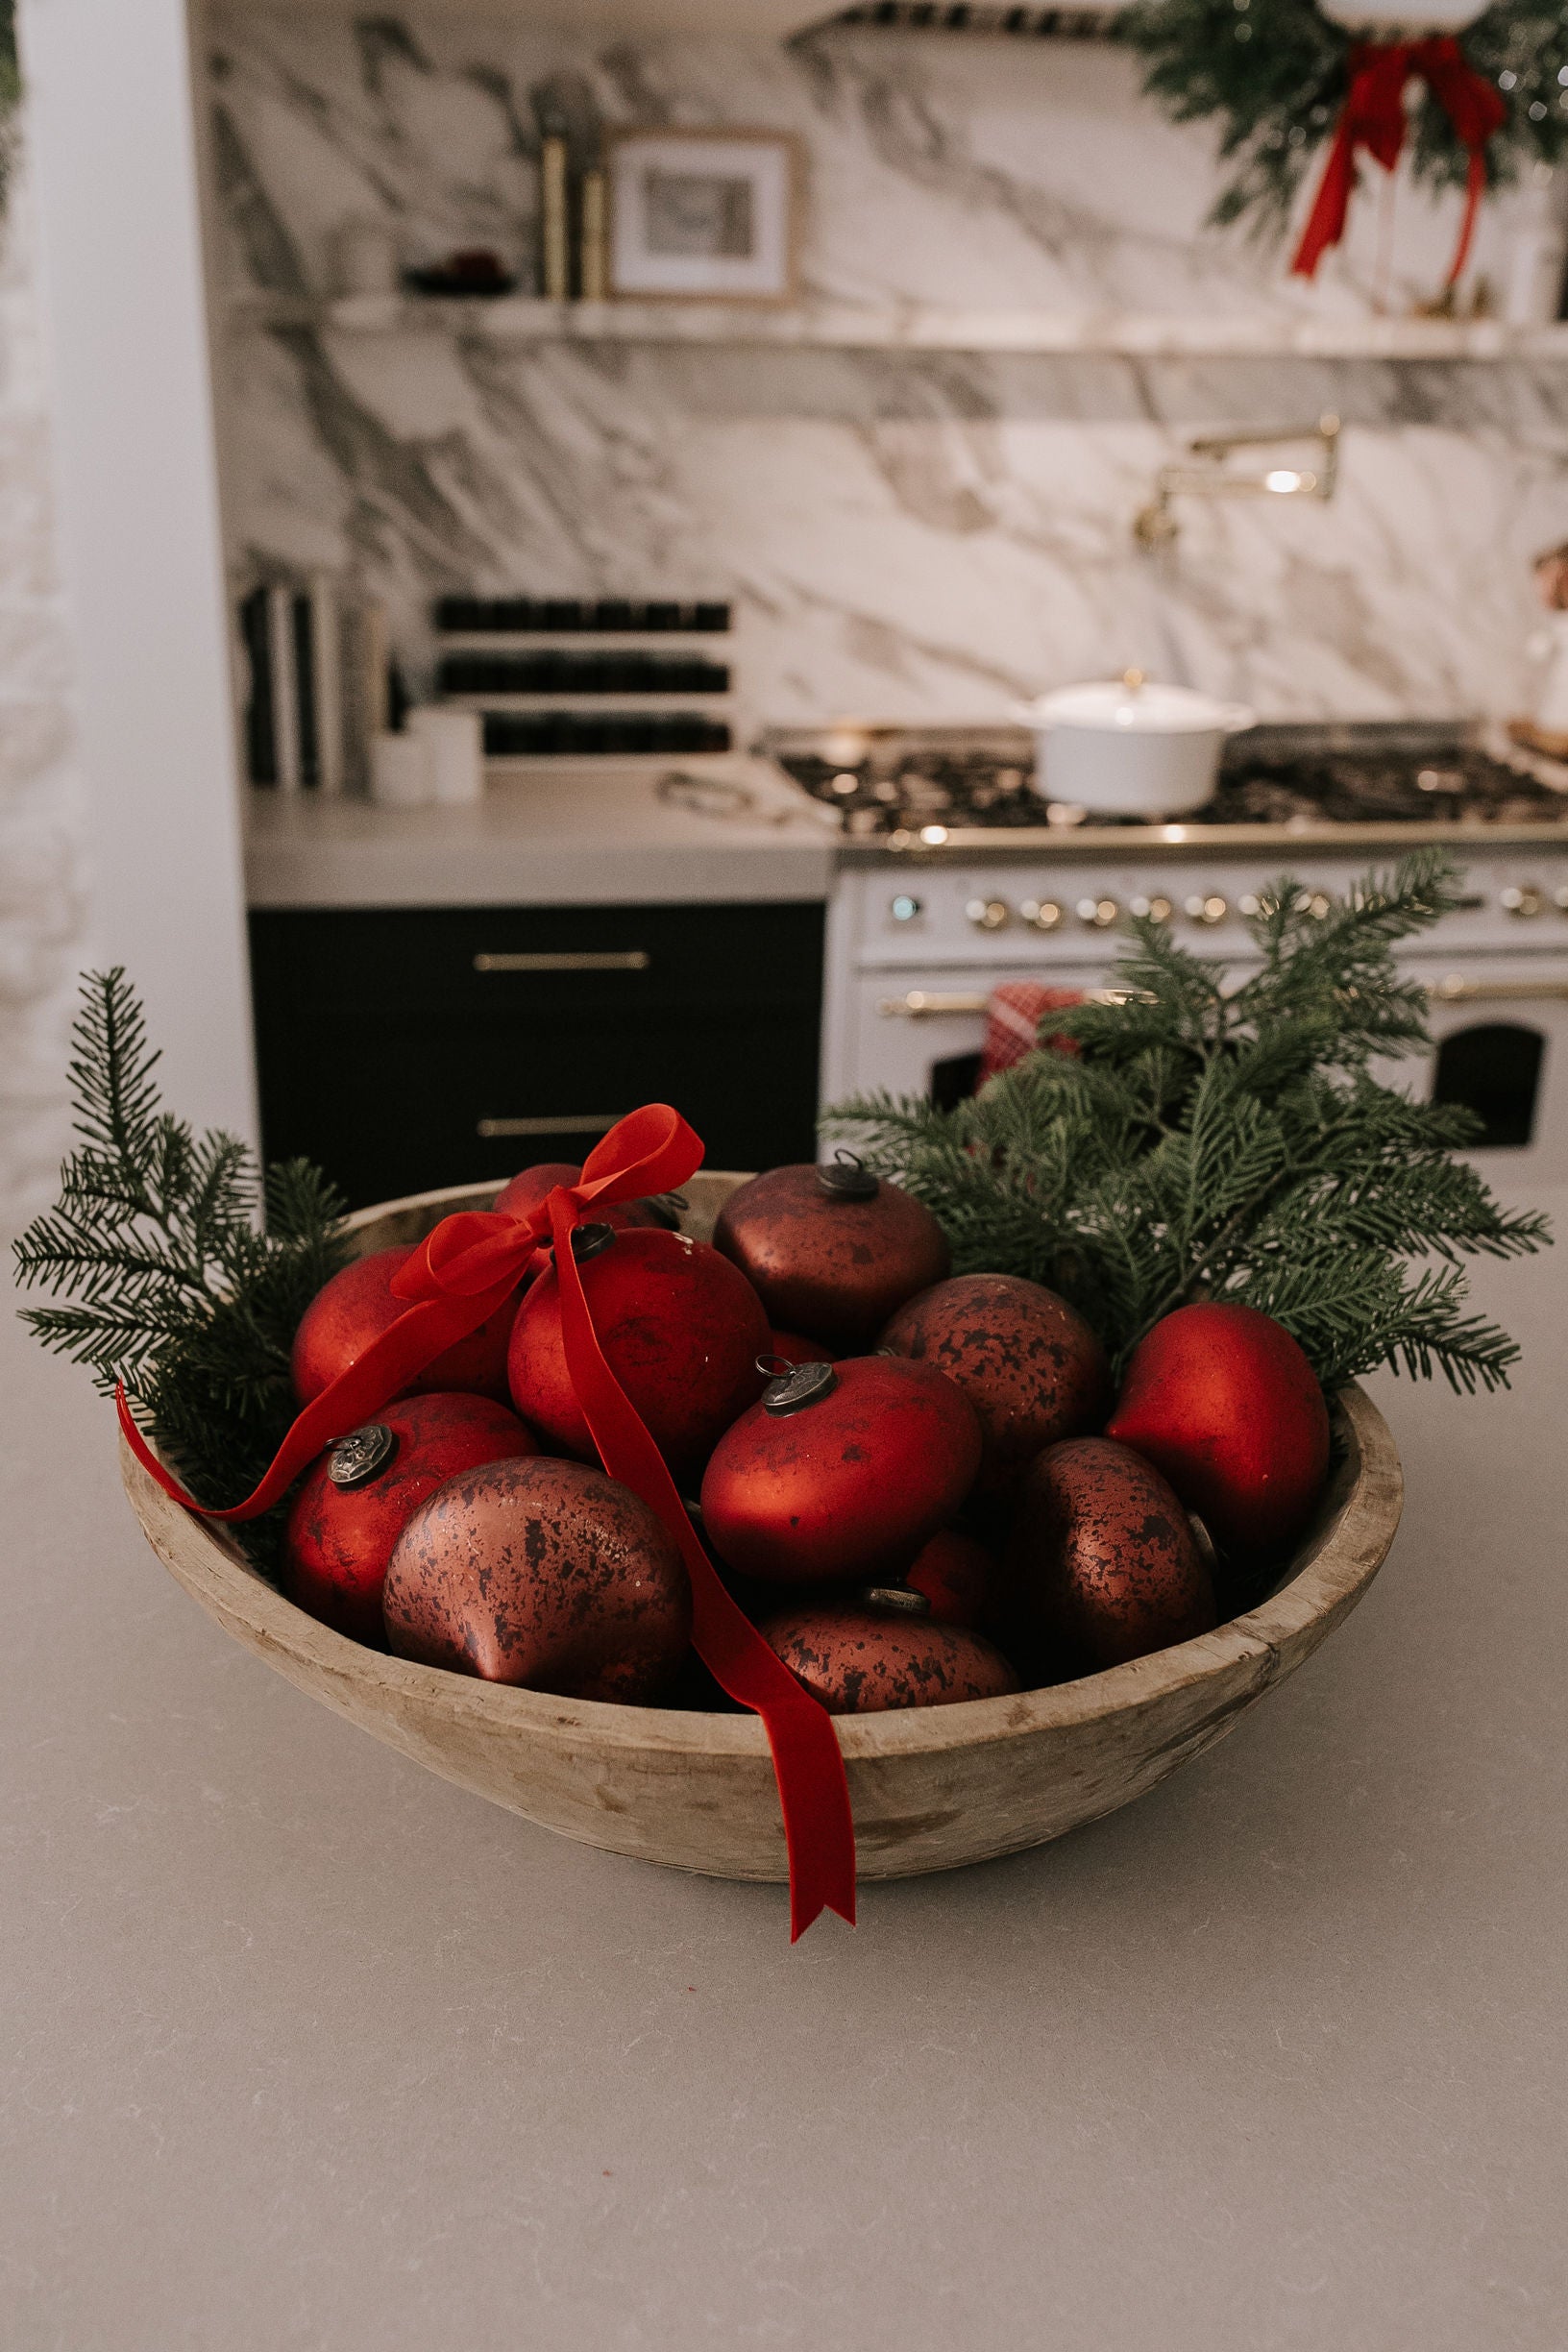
x: 922, y: 928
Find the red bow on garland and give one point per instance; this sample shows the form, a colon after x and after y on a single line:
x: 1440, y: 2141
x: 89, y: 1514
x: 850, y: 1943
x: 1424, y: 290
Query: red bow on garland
x: 463, y: 1272
x: 1373, y: 118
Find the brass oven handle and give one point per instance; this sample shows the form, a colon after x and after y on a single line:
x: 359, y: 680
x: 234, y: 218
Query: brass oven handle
x: 1455, y: 990
x: 923, y: 1004
x: 569, y: 1122
x: 630, y: 958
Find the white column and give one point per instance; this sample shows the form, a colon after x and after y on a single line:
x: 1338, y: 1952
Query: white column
x: 114, y: 159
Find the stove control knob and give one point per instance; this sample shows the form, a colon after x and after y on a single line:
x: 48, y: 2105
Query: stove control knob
x: 1158, y: 909
x: 904, y: 908
x: 1559, y: 899
x: 1524, y: 902
x: 987, y: 914
x: 1099, y: 913
x: 1043, y: 913
x: 1209, y: 910
x: 1320, y: 905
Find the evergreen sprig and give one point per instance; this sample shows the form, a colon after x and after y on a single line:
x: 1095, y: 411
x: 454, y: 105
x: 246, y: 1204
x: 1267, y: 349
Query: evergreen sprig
x: 164, y: 1276
x: 1211, y: 1141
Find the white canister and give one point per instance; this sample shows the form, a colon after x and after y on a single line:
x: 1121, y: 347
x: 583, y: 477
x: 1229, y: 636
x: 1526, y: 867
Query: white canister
x: 454, y: 740
x: 1126, y: 748
x: 401, y: 772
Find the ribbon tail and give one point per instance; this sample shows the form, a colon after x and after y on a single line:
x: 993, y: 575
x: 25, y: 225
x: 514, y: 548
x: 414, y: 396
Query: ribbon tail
x: 1475, y: 190
x: 808, y: 1764
x: 1326, y: 222
x: 422, y: 1332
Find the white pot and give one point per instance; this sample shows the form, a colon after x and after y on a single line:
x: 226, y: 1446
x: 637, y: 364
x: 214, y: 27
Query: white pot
x: 1129, y: 749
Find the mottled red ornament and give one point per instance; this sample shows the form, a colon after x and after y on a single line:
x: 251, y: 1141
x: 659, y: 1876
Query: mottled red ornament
x: 1027, y: 1361
x: 531, y: 1187
x: 839, y: 1471
x: 832, y: 1250
x: 355, y: 1500
x: 861, y: 1661
x: 1221, y: 1399
x: 680, y: 1328
x: 953, y: 1572
x: 1103, y: 1566
x: 797, y: 1351
x: 545, y: 1574
x: 356, y: 1306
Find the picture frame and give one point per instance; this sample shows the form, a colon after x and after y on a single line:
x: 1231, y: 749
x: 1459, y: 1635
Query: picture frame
x: 703, y: 215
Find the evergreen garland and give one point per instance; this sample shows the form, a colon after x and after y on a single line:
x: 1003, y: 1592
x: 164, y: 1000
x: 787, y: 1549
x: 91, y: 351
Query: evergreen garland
x: 1274, y: 75
x: 164, y: 1279
x: 1212, y: 1144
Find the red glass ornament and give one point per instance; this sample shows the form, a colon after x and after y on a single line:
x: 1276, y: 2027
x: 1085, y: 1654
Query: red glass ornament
x: 680, y: 1328
x: 1103, y: 1565
x: 1223, y: 1401
x: 1027, y: 1361
x: 864, y: 1662
x: 953, y: 1572
x: 531, y: 1187
x: 340, y: 1538
x: 795, y: 1350
x: 851, y: 1482
x: 356, y: 1306
x: 831, y: 1251
x: 546, y: 1574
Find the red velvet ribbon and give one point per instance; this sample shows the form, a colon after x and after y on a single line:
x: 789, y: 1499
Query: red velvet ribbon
x: 1373, y: 118
x: 463, y: 1272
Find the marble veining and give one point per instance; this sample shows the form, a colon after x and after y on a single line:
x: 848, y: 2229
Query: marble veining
x: 904, y: 533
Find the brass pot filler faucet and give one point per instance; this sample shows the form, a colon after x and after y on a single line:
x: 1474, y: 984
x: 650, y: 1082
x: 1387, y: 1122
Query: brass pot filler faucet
x: 1155, y: 525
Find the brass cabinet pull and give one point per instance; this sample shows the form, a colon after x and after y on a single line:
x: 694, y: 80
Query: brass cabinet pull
x: 628, y: 958
x: 1455, y: 990
x: 568, y: 1122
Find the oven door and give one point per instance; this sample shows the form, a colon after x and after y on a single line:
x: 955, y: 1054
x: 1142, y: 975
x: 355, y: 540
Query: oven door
x: 1500, y: 1028
x: 1499, y: 1031
x: 920, y: 1032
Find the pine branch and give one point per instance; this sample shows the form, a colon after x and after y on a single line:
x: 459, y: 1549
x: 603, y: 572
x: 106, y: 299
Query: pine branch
x: 1203, y: 1144
x: 164, y: 1281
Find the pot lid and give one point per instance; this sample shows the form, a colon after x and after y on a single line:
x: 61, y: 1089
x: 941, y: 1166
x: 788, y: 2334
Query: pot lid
x: 1134, y: 704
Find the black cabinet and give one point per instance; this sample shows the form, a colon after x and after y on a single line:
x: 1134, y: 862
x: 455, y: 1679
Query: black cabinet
x: 406, y: 1048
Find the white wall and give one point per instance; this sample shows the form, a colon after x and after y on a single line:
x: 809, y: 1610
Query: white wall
x: 43, y: 909
x: 111, y: 130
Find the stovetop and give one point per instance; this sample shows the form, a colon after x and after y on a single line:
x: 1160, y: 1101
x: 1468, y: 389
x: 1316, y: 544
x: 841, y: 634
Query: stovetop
x: 922, y: 787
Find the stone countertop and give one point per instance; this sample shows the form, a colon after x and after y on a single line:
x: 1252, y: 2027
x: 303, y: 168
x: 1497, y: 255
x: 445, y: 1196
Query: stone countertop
x: 307, y: 2049
x: 584, y: 832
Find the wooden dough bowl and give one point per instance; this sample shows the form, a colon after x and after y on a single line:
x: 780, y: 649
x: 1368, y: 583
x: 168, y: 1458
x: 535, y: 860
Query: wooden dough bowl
x: 931, y: 1788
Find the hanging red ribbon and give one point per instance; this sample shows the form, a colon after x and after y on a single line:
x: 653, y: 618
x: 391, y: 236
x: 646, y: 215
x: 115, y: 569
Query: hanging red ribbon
x: 463, y: 1273
x: 1373, y: 118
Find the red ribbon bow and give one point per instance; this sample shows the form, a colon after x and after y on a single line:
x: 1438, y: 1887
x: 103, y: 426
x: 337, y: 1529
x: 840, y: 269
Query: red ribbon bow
x: 1373, y: 118
x: 463, y: 1272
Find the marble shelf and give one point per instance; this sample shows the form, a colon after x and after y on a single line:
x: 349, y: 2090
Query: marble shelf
x: 513, y: 319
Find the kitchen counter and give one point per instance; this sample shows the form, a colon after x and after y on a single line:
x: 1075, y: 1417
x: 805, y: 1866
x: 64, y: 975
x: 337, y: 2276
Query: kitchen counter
x: 307, y: 2049
x: 580, y: 832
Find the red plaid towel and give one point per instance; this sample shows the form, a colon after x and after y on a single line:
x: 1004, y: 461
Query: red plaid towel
x: 1012, y: 1022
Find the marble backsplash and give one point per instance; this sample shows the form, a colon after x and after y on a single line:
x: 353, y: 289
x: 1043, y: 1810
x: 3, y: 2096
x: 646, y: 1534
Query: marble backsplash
x: 904, y: 534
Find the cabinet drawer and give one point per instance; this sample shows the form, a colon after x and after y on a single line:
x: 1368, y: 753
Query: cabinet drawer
x: 389, y: 1054
x: 524, y: 960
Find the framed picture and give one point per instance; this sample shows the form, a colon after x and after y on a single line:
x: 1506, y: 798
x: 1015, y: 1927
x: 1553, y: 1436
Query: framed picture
x: 703, y: 213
